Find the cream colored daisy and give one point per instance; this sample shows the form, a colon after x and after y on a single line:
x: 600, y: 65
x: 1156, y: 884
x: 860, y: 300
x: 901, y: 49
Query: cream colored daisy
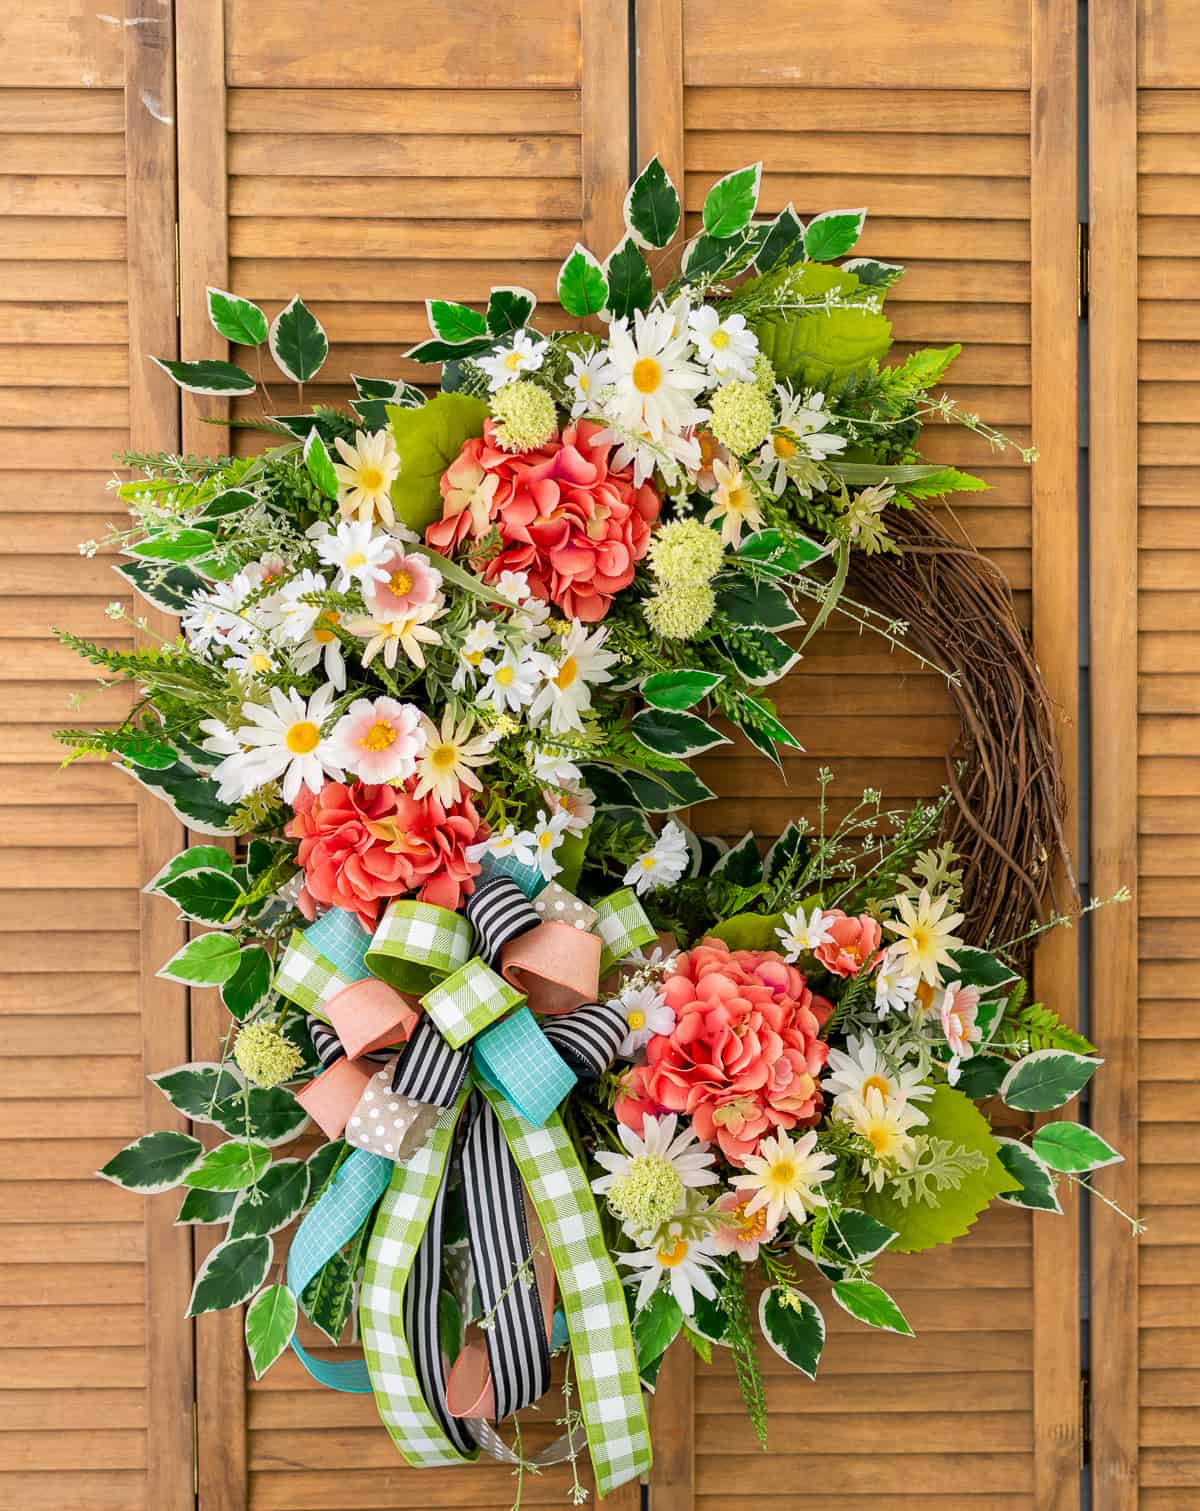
x: 785, y: 1177
x: 388, y: 637
x: 365, y: 475
x: 734, y: 503
x: 885, y: 1125
x: 924, y: 936
x: 450, y: 757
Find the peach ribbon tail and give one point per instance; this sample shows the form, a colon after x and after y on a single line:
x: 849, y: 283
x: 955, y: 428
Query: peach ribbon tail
x: 556, y: 965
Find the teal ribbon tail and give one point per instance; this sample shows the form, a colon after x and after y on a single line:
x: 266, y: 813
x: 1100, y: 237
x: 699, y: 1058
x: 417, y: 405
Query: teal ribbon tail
x: 345, y: 1204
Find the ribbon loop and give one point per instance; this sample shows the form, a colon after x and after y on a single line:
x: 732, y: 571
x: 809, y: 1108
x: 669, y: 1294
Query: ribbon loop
x: 417, y: 945
x: 468, y: 1001
x: 623, y: 927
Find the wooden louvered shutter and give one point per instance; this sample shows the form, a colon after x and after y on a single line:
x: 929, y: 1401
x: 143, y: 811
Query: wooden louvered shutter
x: 398, y: 154
x: 955, y: 126
x: 1145, y: 321
x: 95, y: 1364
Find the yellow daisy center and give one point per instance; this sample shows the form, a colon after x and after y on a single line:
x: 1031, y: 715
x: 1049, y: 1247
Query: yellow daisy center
x: 880, y: 1139
x: 783, y: 1172
x: 260, y: 661
x: 920, y: 939
x: 647, y: 375
x: 303, y: 737
x: 585, y: 383
x: 400, y: 582
x: 513, y: 361
x: 676, y: 1254
x: 567, y: 674
x: 876, y: 1083
x: 504, y: 676
x: 648, y: 863
x: 355, y: 559
x: 370, y: 478
x: 443, y: 757
x: 380, y: 735
x: 322, y: 630
x: 720, y: 339
x: 739, y: 500
x: 636, y: 1019
x: 782, y: 447
x: 546, y: 839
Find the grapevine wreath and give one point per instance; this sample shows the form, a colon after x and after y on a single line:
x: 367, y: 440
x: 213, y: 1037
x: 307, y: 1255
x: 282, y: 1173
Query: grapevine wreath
x: 441, y: 665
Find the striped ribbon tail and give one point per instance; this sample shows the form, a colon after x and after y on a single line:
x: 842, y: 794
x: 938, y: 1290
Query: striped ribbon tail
x: 429, y: 1070
x: 501, y: 1252
x: 421, y: 1323
x: 499, y: 912
x: 588, y: 1038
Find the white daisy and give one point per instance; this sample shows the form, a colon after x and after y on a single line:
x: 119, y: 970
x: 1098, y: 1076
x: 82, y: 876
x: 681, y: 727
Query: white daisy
x: 646, y: 1185
x: 801, y: 935
x: 285, y: 742
x: 685, y: 1263
x: 646, y: 1014
x: 797, y: 443
x: 726, y: 347
x: 566, y: 692
x: 674, y: 456
x: 321, y: 645
x: 785, y: 1177
x: 252, y: 659
x: 293, y: 616
x: 858, y: 1068
x: 479, y: 639
x: 511, y: 681
x: 556, y: 770
x: 359, y: 552
x: 504, y: 845
x: 886, y: 1128
x: 512, y: 586
x: 585, y: 379
x: 216, y: 617
x: 523, y: 355
x: 651, y: 381
x: 391, y: 636
x: 894, y: 988
x: 665, y: 863
x: 548, y: 831
x: 365, y: 475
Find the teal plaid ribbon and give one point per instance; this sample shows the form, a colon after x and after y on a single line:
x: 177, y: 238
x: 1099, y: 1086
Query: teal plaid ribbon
x: 327, y: 957
x: 516, y: 1058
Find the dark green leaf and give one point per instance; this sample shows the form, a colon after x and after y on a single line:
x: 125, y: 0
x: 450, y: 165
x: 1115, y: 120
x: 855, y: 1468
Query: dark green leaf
x: 793, y: 1326
x: 191, y: 797
x: 230, y: 1275
x: 275, y: 1116
x: 656, y: 1326
x: 980, y: 1076
x: 1047, y: 1079
x: 205, y: 1207
x: 760, y: 656
x: 783, y: 243
x: 169, y: 588
x: 629, y: 284
x: 510, y: 308
x: 250, y: 983
x: 784, y: 852
x: 205, y: 896
x: 760, y: 605
x: 856, y: 1237
x: 207, y: 377
x: 608, y: 788
x: 446, y: 351
x: 667, y: 790
x: 321, y: 1164
x: 652, y: 207
x: 741, y: 865
x: 282, y: 1190
x: 155, y: 1162
x: 298, y: 343
x: 1036, y: 1184
x: 195, y: 1089
x: 675, y: 734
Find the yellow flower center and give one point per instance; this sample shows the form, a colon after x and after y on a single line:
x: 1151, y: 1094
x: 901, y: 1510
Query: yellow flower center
x: 260, y: 661
x: 880, y: 1139
x: 443, y: 757
x: 322, y: 630
x: 636, y: 1019
x: 782, y: 447
x: 585, y: 383
x: 546, y: 839
x: 876, y: 1083
x: 474, y: 657
x: 504, y: 676
x: 302, y: 737
x: 355, y: 559
x: 400, y: 582
x: 380, y: 735
x: 752, y: 1225
x: 738, y: 500
x: 513, y: 361
x: 676, y: 1254
x: 370, y: 478
x: 920, y: 939
x: 648, y: 863
x: 647, y: 375
x: 783, y: 1172
x: 567, y: 674
x: 720, y: 339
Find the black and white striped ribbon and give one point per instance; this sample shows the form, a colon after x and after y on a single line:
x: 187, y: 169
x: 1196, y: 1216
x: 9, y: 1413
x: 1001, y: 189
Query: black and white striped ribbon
x: 421, y: 1326
x: 501, y: 1253
x: 428, y: 1069
x: 499, y: 911
x: 587, y: 1037
x: 329, y: 1047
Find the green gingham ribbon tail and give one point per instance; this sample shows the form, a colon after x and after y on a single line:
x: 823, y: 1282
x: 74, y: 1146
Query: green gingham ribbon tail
x: 610, y: 1392
x: 623, y: 927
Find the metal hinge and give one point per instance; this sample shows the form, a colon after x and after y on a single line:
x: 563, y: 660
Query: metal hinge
x: 1082, y: 270
x: 1085, y: 1420
x: 196, y: 1452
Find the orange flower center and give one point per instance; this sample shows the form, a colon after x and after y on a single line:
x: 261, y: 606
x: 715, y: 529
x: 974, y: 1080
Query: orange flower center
x: 400, y: 582
x: 380, y: 735
x: 567, y: 674
x: 322, y: 630
x: 302, y: 738
x: 875, y: 1083
x: 783, y: 448
x: 647, y: 375
x: 676, y: 1254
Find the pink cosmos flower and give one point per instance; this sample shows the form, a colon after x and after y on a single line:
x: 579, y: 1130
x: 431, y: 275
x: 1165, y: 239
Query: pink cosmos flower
x: 743, y: 1058
x: 958, y: 1008
x: 410, y: 582
x: 853, y: 943
x: 739, y: 1234
x: 379, y: 741
x: 574, y: 525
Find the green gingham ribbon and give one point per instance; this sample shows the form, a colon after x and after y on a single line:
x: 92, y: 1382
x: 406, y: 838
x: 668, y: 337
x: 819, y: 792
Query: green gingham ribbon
x: 623, y: 927
x: 465, y: 1003
x: 320, y: 962
x: 417, y: 944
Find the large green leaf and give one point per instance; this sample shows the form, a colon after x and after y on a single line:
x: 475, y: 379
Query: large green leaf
x: 667, y: 790
x: 1036, y: 1184
x: 205, y: 1208
x: 250, y: 984
x: 204, y: 896
x: 194, y: 858
x: 630, y: 287
x: 270, y: 1115
x: 207, y: 960
x: 298, y: 342
x: 229, y: 1167
x: 190, y: 796
x: 1071, y: 1147
x: 832, y: 234
x: 428, y: 440
x: 270, y: 1323
x: 236, y: 319
x: 196, y: 1088
x: 679, y: 689
x: 656, y: 1326
x: 582, y: 284
x: 155, y: 1162
x: 230, y: 1275
x: 919, y: 1225
x: 169, y: 588
x: 680, y: 735
x: 208, y: 377
x: 652, y: 206
x: 742, y: 864
x: 822, y: 347
x: 509, y: 308
x: 757, y: 604
x: 749, y: 931
x: 871, y: 1304
x: 731, y: 202
x: 176, y: 546
x: 793, y: 1326
x: 455, y: 323
x: 281, y: 1194
x: 1047, y: 1079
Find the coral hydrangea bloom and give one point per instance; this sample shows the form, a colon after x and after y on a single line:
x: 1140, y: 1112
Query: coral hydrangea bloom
x: 743, y: 1058
x: 361, y: 845
x: 575, y: 525
x: 852, y: 943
